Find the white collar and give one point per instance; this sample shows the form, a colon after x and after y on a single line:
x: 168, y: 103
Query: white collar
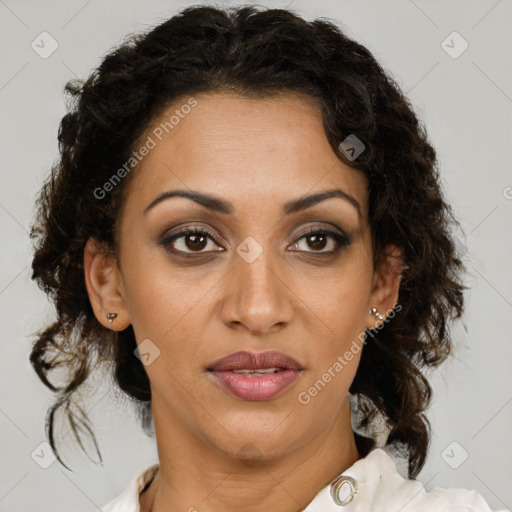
x: 379, y: 488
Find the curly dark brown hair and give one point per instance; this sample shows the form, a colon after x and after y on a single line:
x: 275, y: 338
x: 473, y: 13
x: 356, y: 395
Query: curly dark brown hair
x: 255, y: 52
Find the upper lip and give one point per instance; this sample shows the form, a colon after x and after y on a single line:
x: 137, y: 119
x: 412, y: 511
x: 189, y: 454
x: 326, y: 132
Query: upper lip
x: 254, y: 360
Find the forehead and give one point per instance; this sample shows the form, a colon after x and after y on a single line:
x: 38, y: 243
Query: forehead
x: 251, y: 149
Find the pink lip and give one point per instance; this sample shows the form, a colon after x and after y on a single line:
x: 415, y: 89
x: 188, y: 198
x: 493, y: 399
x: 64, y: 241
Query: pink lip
x: 264, y: 387
x: 256, y: 388
x: 244, y: 360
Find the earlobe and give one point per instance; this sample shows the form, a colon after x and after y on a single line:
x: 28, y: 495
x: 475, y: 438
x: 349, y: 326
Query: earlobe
x: 103, y: 286
x: 386, y: 284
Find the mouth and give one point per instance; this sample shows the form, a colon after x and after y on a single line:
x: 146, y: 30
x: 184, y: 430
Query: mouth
x: 255, y: 376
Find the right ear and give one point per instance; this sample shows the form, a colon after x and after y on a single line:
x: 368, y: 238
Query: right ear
x: 103, y: 281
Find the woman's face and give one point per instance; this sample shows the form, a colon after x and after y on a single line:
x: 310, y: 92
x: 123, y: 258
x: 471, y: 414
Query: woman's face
x: 252, y: 279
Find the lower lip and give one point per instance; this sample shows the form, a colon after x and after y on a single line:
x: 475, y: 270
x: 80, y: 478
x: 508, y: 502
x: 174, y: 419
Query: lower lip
x: 255, y: 389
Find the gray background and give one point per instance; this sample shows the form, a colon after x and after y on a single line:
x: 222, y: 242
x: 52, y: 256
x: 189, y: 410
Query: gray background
x: 466, y: 104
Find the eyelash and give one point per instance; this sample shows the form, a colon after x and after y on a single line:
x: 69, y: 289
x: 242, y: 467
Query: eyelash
x: 342, y: 240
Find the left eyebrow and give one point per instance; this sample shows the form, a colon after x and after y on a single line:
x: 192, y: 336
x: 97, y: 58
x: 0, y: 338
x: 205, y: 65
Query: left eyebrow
x: 220, y: 205
x: 305, y: 202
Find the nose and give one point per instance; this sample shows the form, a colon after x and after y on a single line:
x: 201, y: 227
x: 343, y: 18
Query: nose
x: 257, y: 296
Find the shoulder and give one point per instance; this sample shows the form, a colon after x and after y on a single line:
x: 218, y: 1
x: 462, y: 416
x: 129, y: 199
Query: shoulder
x: 128, y: 500
x: 381, y: 487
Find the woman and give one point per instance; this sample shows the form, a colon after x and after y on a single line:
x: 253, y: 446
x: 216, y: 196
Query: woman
x: 247, y: 231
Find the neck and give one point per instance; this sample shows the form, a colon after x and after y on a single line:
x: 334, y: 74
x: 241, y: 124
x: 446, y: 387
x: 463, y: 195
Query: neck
x: 194, y: 475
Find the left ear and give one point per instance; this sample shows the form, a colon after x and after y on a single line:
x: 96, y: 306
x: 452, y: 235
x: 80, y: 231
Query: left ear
x: 386, y: 283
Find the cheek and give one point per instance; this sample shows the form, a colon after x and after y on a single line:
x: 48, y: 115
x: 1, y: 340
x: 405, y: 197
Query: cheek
x: 343, y: 303
x: 159, y: 307
x: 342, y: 306
x: 165, y: 302
x: 335, y: 359
x: 326, y: 386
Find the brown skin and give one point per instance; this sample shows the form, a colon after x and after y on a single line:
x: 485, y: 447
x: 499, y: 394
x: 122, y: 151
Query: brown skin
x: 256, y: 154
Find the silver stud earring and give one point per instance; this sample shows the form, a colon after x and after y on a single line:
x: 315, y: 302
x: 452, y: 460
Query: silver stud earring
x: 111, y: 316
x: 376, y: 313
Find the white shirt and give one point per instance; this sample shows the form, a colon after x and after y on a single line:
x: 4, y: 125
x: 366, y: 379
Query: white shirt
x: 373, y: 482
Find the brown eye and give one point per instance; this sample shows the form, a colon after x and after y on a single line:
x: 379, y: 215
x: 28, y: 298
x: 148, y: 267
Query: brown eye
x: 189, y: 240
x: 317, y: 242
x: 319, y: 239
x: 195, y: 242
